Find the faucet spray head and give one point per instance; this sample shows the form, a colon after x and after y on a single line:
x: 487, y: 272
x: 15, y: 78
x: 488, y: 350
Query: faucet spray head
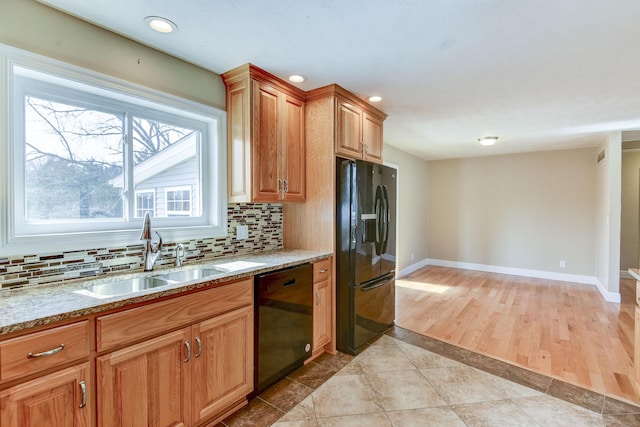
x: 146, y: 227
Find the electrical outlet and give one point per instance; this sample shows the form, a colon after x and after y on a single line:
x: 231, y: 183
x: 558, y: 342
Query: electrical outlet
x: 563, y: 263
x: 242, y: 232
x: 413, y: 257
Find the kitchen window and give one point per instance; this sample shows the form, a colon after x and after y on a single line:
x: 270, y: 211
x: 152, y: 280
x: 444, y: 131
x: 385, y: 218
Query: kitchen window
x: 89, y: 155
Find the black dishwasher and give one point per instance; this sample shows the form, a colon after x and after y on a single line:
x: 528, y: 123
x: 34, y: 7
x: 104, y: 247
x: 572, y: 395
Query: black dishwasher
x: 283, y: 323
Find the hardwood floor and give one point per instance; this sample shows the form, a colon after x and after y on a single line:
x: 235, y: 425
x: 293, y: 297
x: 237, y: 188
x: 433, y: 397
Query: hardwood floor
x: 561, y: 329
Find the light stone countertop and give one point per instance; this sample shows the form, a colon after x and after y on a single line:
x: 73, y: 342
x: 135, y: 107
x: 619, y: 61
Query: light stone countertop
x: 635, y: 273
x: 28, y: 307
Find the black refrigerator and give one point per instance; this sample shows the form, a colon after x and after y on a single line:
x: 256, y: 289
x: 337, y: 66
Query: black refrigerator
x: 366, y: 252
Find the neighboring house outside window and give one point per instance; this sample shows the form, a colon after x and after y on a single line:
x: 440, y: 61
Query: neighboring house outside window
x: 145, y: 202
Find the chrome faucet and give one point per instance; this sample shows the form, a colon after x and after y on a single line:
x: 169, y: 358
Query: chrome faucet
x: 151, y: 250
x: 180, y: 254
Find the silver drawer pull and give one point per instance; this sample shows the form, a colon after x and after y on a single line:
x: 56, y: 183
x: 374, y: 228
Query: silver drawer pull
x: 324, y: 270
x: 83, y: 388
x: 45, y: 353
x: 317, y: 298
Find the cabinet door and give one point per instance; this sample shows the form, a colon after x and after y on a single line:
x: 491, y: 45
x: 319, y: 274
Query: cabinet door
x: 60, y: 399
x: 348, y: 130
x: 265, y: 143
x: 146, y: 384
x: 372, y: 138
x: 223, y: 362
x: 321, y: 314
x: 293, y: 153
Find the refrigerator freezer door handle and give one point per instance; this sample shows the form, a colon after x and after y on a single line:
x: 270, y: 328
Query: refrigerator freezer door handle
x: 378, y: 284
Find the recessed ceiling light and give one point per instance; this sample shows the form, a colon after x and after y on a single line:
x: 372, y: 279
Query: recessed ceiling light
x: 488, y: 140
x: 296, y: 78
x: 160, y: 24
x: 375, y: 98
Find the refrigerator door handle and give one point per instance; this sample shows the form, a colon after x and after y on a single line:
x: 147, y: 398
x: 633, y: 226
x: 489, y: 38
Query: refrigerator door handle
x: 386, y: 219
x: 379, y: 207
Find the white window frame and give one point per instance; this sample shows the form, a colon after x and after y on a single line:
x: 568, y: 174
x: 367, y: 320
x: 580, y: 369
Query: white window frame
x: 213, y: 221
x: 145, y: 191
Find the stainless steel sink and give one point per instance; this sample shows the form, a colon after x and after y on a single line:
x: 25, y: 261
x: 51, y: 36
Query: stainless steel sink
x: 121, y: 287
x: 189, y: 275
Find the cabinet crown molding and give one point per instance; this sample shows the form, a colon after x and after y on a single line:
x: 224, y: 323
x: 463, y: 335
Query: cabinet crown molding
x: 258, y: 74
x: 338, y: 91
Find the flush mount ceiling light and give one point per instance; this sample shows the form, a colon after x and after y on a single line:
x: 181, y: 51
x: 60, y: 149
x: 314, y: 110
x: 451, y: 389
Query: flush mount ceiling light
x: 488, y: 140
x: 296, y: 78
x: 160, y: 24
x: 375, y: 98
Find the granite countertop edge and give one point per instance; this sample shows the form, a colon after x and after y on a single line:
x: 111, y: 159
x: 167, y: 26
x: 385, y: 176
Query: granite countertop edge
x: 635, y: 273
x: 40, y: 305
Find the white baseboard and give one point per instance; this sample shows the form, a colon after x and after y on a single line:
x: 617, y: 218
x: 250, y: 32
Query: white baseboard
x: 608, y: 296
x: 413, y: 267
x: 539, y: 274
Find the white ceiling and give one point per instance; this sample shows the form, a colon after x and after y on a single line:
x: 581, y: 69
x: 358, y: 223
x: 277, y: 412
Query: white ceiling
x: 540, y: 74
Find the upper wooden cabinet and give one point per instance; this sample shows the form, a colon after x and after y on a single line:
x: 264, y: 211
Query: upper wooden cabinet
x: 266, y: 144
x: 358, y: 125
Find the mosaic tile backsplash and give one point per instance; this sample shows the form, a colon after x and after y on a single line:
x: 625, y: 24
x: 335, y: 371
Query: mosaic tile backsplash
x: 265, y: 233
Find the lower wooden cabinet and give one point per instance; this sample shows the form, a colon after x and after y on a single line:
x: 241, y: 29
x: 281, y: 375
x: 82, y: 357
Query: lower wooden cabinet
x: 223, y: 364
x: 146, y: 384
x: 181, y: 378
x: 60, y: 399
x: 321, y: 314
x: 322, y: 305
x: 636, y: 350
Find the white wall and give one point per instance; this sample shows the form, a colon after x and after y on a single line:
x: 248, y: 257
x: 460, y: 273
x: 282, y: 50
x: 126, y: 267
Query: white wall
x: 412, y: 207
x: 521, y: 213
x: 32, y: 26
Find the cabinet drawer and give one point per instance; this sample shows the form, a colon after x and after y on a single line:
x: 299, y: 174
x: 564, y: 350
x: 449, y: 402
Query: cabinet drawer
x: 638, y: 293
x: 321, y: 270
x: 138, y: 323
x: 36, y: 352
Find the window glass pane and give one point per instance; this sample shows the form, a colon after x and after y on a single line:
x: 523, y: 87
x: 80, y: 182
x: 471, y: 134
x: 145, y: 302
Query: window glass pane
x: 145, y: 202
x: 166, y: 155
x: 72, y: 156
x: 179, y: 201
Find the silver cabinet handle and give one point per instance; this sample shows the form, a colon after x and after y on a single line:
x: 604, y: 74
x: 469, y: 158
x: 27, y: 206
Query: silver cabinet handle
x: 83, y: 389
x: 199, y: 342
x: 286, y: 185
x: 46, y: 353
x: 317, y: 298
x: 186, y: 344
x: 324, y: 270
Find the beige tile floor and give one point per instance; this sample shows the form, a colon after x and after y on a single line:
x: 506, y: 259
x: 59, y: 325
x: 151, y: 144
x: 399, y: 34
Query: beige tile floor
x: 393, y: 383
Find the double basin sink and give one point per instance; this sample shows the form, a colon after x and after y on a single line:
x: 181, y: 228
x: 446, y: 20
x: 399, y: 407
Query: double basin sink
x: 142, y: 283
x: 137, y: 284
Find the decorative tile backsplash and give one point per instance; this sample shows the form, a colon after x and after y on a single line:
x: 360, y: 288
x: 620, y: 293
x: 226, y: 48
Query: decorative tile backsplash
x: 265, y: 233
